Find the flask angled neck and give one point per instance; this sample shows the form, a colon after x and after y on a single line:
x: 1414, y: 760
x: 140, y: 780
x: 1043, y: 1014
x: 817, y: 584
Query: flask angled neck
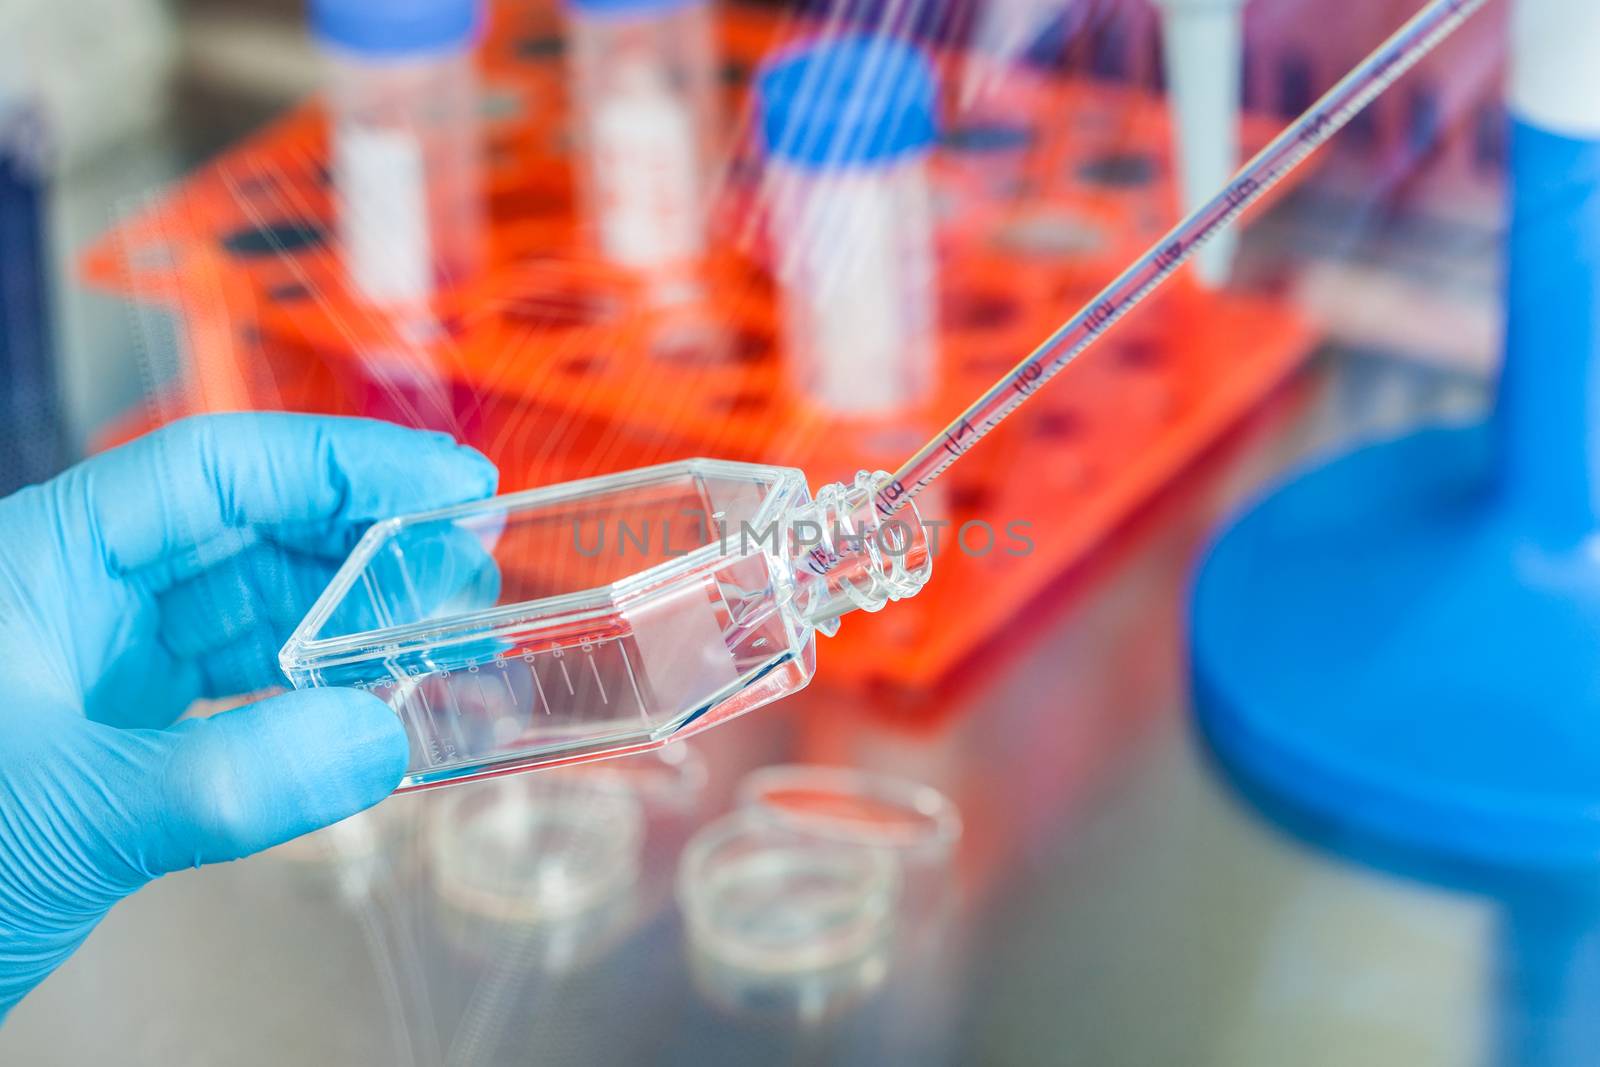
x: 846, y: 555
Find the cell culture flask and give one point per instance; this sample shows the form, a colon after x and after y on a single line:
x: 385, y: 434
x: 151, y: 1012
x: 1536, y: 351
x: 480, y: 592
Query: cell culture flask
x: 601, y: 617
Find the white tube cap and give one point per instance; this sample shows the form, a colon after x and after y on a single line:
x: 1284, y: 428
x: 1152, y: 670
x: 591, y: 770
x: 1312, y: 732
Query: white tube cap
x: 1203, y: 42
x: 1555, y: 65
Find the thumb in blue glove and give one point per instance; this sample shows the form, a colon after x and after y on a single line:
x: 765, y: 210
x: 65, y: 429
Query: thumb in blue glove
x: 165, y: 571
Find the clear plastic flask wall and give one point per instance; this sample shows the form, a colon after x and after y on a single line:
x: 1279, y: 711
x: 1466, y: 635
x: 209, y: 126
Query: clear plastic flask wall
x: 847, y: 125
x: 407, y: 169
x: 601, y: 617
x: 643, y: 84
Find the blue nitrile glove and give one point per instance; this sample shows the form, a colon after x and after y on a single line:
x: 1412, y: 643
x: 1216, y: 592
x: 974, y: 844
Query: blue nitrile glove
x: 166, y: 570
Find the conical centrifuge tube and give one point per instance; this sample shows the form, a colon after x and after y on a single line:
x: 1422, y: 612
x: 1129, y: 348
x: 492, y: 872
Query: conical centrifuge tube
x: 608, y: 616
x: 1202, y: 45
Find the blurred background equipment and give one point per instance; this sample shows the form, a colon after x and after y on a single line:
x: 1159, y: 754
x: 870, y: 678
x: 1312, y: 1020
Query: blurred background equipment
x: 76, y: 81
x: 846, y: 125
x: 1396, y: 644
x: 402, y: 98
x: 1203, y: 52
x: 646, y: 114
x: 33, y: 438
x: 1380, y: 570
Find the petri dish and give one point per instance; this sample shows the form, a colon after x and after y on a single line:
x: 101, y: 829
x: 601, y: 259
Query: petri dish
x: 806, y: 997
x: 764, y: 897
x: 533, y: 850
x: 917, y: 822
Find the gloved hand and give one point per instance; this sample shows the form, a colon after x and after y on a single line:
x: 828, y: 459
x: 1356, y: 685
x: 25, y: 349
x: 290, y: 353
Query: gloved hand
x: 160, y: 572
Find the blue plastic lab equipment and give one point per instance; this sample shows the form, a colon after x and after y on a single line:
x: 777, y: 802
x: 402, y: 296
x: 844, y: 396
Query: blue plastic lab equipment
x: 1408, y: 638
x: 1398, y: 653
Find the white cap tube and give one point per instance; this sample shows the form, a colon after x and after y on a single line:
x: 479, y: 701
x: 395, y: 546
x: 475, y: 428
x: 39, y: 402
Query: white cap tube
x: 1203, y: 42
x: 1555, y: 65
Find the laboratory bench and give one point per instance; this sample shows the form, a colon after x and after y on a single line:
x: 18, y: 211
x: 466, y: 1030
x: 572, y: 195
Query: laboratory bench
x: 1112, y: 900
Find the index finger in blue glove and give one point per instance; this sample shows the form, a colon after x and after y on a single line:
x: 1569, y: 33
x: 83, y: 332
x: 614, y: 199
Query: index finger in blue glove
x: 305, y: 481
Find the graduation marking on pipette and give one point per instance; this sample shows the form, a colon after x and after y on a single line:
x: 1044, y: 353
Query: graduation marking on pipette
x: 1288, y: 150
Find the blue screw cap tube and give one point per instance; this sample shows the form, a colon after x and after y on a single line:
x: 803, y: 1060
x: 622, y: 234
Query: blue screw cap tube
x: 846, y: 124
x: 402, y: 99
x: 395, y: 27
x: 852, y: 101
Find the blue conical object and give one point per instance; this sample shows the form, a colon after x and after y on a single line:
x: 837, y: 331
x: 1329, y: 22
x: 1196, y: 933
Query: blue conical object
x: 1407, y: 639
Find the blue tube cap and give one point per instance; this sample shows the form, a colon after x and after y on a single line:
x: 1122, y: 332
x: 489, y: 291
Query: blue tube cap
x: 851, y: 101
x: 395, y: 27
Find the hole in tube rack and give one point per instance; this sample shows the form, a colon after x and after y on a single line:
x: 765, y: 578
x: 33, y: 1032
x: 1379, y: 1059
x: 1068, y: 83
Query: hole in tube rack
x: 541, y: 46
x: 752, y: 346
x: 970, y: 310
x: 1140, y: 353
x: 981, y: 137
x: 1120, y: 170
x: 287, y: 292
x: 277, y: 238
x: 969, y: 498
